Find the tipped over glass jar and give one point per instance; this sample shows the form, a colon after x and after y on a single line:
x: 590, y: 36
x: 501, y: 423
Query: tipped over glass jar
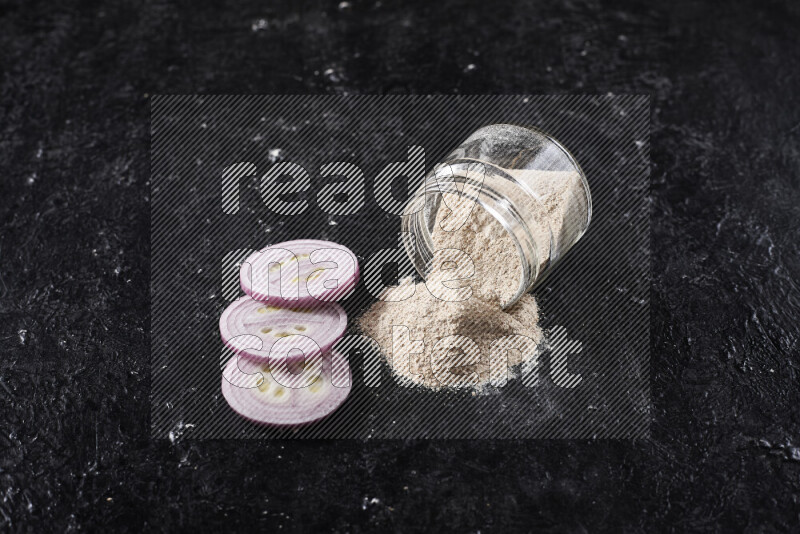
x: 525, y: 180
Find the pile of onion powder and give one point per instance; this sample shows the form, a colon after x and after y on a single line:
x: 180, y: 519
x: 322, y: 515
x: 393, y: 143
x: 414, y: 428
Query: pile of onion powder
x: 439, y: 343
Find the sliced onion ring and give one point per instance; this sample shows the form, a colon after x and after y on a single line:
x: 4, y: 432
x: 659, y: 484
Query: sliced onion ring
x: 251, y: 329
x: 300, y: 273
x: 252, y: 392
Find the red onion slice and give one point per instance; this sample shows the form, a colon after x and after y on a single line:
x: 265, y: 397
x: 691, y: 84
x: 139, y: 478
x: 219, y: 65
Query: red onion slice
x: 251, y: 391
x: 251, y: 329
x: 300, y: 273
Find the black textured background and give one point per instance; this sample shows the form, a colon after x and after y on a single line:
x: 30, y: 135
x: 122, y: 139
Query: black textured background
x: 74, y: 448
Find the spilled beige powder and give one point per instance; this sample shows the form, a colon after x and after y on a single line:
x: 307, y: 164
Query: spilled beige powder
x: 479, y: 318
x: 483, y: 239
x: 556, y: 213
x: 560, y: 211
x: 430, y: 319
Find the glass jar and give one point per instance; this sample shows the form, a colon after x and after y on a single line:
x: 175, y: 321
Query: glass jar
x: 521, y: 176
